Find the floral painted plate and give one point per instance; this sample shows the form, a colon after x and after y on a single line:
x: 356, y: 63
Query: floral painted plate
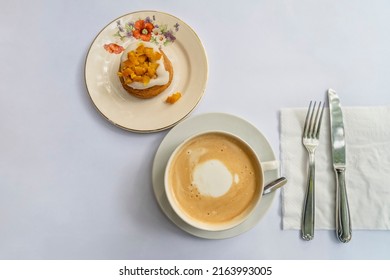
x: 181, y: 45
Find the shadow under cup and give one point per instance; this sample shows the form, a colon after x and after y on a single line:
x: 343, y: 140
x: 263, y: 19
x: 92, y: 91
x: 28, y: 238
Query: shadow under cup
x: 214, y: 180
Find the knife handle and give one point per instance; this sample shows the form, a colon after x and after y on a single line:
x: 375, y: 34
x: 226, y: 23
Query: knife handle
x: 308, y: 214
x: 343, y: 218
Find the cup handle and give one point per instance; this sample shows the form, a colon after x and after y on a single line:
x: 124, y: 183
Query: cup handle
x: 269, y: 165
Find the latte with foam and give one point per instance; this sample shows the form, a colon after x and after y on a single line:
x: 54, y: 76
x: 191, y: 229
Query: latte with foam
x: 214, y: 178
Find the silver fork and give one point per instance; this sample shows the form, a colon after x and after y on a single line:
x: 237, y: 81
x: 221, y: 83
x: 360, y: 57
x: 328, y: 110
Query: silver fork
x: 310, y: 139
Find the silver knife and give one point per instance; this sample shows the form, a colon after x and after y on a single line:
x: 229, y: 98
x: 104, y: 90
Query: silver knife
x: 343, y: 219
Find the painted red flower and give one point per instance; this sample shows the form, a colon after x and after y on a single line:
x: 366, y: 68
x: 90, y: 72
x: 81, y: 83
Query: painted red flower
x: 113, y: 48
x: 143, y: 30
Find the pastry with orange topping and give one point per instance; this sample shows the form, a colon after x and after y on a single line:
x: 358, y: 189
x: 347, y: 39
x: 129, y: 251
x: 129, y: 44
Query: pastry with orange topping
x: 145, y: 71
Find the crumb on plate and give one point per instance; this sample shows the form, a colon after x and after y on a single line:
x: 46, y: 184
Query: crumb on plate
x: 173, y: 98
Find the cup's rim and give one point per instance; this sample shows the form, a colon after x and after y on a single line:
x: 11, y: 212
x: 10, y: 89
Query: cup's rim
x: 203, y: 225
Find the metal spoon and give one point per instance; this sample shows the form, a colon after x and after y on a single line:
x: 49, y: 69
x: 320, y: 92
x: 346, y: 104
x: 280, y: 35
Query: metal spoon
x: 274, y: 185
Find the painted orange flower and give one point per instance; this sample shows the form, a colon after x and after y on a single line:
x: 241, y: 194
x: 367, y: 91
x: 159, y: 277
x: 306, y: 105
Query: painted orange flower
x: 143, y: 30
x: 113, y: 48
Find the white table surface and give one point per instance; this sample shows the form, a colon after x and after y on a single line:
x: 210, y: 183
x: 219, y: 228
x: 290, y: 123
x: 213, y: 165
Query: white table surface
x: 74, y: 186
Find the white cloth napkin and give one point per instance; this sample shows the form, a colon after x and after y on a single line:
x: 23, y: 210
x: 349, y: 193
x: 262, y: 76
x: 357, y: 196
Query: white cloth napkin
x: 367, y: 135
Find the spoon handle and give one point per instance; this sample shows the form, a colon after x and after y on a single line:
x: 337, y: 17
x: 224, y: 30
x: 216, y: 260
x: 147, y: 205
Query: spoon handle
x: 274, y: 185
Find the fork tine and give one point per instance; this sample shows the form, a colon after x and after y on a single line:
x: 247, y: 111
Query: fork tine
x: 312, y: 121
x: 319, y: 120
x: 307, y: 124
x: 315, y: 120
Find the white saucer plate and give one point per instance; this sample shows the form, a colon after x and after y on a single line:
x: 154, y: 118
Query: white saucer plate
x: 205, y: 122
x: 181, y: 45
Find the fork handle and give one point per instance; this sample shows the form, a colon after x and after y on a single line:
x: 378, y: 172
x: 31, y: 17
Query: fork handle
x: 343, y: 218
x: 308, y: 213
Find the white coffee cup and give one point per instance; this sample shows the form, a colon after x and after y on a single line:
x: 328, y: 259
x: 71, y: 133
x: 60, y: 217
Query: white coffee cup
x: 214, y: 180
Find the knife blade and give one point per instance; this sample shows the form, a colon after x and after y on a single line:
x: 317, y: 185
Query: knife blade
x: 343, y: 219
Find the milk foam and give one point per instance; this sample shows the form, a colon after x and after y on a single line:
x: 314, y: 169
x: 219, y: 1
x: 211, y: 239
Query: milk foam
x: 212, y: 178
x: 162, y: 74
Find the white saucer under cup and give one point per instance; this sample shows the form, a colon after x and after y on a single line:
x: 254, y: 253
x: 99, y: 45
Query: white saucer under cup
x: 202, y: 123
